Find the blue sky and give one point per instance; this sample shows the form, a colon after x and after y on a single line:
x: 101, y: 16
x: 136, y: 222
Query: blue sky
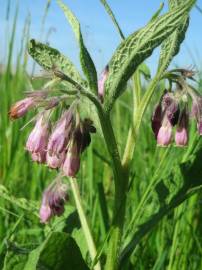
x: 99, y: 33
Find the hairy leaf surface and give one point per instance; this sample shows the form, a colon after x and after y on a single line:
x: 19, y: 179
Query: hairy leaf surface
x: 171, y: 46
x: 137, y: 47
x: 50, y: 58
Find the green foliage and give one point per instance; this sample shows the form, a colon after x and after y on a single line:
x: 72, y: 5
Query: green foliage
x: 85, y: 58
x: 137, y: 47
x: 50, y: 59
x: 171, y: 46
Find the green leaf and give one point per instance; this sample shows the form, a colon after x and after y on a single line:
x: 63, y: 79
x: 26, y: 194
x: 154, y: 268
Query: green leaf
x: 50, y: 58
x: 137, y: 47
x: 85, y: 58
x: 59, y: 251
x: 157, y: 13
x: 145, y: 71
x: 111, y: 14
x: 171, y: 46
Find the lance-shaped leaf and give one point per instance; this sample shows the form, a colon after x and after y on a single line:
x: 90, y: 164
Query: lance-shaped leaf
x: 171, y: 46
x: 111, y: 14
x: 85, y: 58
x: 50, y: 58
x: 137, y: 47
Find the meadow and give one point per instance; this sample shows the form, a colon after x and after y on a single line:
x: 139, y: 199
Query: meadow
x: 162, y: 192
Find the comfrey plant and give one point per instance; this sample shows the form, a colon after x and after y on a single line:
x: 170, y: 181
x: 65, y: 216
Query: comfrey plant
x: 59, y: 144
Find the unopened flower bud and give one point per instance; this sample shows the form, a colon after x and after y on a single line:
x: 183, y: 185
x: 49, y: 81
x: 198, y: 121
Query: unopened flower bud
x: 37, y: 140
x: 101, y: 82
x: 21, y: 107
x: 61, y: 134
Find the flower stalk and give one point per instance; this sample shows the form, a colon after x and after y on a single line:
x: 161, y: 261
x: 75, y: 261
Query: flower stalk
x: 84, y: 222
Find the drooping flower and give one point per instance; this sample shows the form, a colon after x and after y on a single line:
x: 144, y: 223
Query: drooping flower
x: 21, y: 107
x: 165, y: 133
x: 181, y: 135
x: 79, y: 141
x: 156, y: 119
x: 101, y: 82
x: 60, y: 136
x: 54, y: 198
x: 38, y: 138
x: 72, y: 161
x: 171, y: 108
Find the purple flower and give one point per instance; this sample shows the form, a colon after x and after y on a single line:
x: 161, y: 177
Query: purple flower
x: 101, y: 82
x: 55, y: 161
x: 79, y: 141
x: 72, y: 163
x: 165, y: 133
x: 39, y: 157
x: 54, y: 198
x: 156, y: 119
x: 61, y: 134
x: 171, y: 108
x: 181, y: 135
x: 21, y: 107
x: 38, y: 138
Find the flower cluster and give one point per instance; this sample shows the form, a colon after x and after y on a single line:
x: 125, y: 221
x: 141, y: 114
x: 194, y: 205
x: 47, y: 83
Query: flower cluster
x: 59, y: 145
x: 172, y: 113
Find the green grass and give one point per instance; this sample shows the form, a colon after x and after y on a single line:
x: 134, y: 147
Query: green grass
x: 174, y: 243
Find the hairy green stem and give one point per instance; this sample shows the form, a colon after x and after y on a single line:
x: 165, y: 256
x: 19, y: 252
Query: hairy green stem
x: 137, y: 119
x: 120, y: 181
x: 84, y: 222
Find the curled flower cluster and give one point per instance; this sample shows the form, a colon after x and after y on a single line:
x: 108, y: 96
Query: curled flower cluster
x: 53, y: 200
x: 61, y: 147
x: 58, y: 145
x: 172, y: 113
